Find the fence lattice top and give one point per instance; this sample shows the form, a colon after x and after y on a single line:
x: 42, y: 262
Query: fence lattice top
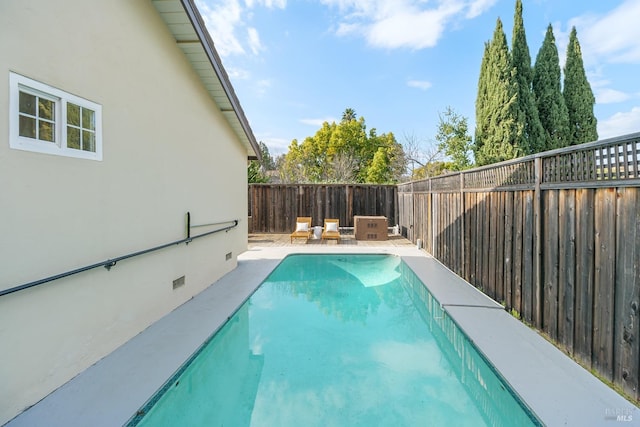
x: 615, y: 159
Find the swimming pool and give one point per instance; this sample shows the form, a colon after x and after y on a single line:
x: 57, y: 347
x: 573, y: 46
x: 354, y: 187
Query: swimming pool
x: 337, y: 340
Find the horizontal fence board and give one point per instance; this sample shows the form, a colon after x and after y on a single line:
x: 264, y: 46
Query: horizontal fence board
x: 275, y: 207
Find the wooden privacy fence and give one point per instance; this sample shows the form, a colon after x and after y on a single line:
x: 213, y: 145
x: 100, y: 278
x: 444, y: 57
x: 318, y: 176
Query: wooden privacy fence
x: 555, y: 237
x: 273, y: 208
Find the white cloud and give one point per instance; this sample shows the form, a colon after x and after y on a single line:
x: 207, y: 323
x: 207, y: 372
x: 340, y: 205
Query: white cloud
x: 420, y: 84
x: 221, y: 21
x: 621, y: 123
x: 478, y: 7
x: 410, y: 28
x: 280, y: 4
x: 612, y: 37
x: 227, y: 22
x: 254, y: 40
x: 603, y: 93
x: 606, y: 39
x: 276, y: 145
x: 318, y: 122
x: 238, y: 73
x: 262, y: 86
x: 610, y: 96
x: 413, y: 24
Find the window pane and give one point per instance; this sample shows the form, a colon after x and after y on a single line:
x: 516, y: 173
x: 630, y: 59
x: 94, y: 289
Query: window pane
x: 88, y: 141
x: 46, y: 131
x: 73, y: 114
x: 27, y: 126
x: 45, y: 109
x: 27, y: 104
x: 73, y: 137
x: 88, y: 119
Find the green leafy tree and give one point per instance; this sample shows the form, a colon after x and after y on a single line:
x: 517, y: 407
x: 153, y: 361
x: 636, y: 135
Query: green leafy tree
x: 255, y: 174
x: 378, y: 172
x: 349, y: 139
x: 578, y: 96
x: 430, y: 170
x: 531, y: 140
x: 454, y: 140
x: 348, y: 115
x: 290, y: 167
x: 267, y: 163
x: 549, y: 100
x: 482, y: 103
x: 498, y: 128
x: 257, y: 170
x: 344, y: 152
x: 342, y: 168
x: 395, y: 158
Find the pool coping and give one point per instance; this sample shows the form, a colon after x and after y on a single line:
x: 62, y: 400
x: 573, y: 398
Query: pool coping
x: 556, y: 388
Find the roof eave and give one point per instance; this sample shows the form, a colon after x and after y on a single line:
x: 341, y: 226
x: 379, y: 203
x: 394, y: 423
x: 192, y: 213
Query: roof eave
x: 235, y: 115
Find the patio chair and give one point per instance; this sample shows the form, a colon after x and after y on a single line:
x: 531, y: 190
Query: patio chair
x: 331, y: 229
x: 303, y: 228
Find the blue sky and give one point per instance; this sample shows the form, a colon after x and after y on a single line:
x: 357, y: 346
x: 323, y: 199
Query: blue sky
x: 399, y: 63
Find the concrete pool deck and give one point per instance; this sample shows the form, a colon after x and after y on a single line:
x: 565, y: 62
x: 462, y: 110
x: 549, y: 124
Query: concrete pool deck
x: 557, y: 389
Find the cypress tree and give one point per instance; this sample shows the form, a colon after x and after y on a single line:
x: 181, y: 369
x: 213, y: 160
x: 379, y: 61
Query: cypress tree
x: 482, y: 100
x: 499, y: 129
x: 578, y: 96
x: 532, y: 139
x: 549, y: 100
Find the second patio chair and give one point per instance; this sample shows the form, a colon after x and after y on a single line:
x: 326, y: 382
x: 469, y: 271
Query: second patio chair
x: 331, y: 230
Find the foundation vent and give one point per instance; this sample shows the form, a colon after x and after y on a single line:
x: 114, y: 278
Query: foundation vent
x: 228, y: 256
x: 179, y: 282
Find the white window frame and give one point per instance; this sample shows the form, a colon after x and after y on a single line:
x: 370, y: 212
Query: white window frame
x: 18, y: 82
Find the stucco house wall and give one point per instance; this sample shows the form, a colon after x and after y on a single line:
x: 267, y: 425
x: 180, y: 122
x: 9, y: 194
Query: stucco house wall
x: 167, y: 150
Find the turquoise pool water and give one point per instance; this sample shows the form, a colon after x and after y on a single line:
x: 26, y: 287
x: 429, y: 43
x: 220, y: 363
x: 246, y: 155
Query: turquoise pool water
x: 337, y: 340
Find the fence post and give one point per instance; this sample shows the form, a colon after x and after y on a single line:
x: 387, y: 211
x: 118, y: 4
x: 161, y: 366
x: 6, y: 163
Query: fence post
x: 537, y: 250
x: 462, y: 222
x: 413, y: 215
x: 434, y: 220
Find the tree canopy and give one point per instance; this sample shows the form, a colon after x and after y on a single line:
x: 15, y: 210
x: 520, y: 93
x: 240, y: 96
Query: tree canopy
x: 546, y: 87
x: 531, y: 140
x: 578, y: 96
x: 454, y: 140
x: 522, y: 109
x: 257, y: 171
x: 344, y: 152
x: 497, y: 126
